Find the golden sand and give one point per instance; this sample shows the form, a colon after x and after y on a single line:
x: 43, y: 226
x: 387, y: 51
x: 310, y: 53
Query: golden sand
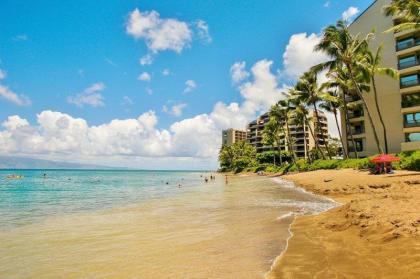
x: 374, y: 234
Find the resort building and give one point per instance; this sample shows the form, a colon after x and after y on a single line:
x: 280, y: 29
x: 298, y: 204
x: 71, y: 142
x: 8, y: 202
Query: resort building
x: 301, y: 137
x: 399, y: 100
x: 230, y: 136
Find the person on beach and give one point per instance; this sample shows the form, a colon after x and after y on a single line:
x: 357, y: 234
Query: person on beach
x: 226, y: 179
x: 206, y: 179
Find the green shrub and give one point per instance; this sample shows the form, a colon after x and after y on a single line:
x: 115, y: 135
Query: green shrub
x: 409, y: 160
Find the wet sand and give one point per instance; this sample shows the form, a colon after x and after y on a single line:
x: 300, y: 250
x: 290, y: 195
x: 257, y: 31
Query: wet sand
x: 217, y: 231
x: 374, y: 234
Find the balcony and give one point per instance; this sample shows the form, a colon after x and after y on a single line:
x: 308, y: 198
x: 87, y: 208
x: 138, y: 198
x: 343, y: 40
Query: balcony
x: 408, y: 63
x: 409, y: 81
x: 407, y: 43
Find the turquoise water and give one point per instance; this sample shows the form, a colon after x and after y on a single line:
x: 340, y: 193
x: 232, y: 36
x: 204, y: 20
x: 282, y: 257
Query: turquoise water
x: 34, y: 198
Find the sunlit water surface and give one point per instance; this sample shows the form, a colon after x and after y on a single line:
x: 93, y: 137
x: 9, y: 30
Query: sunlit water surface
x: 144, y: 224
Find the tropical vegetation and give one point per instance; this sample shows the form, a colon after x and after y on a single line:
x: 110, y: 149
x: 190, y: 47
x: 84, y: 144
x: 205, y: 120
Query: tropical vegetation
x: 351, y: 73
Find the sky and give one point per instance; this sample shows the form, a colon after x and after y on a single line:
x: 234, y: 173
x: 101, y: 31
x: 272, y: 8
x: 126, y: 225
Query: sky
x: 149, y: 84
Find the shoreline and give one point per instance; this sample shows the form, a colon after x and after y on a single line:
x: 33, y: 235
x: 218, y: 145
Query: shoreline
x: 383, y: 243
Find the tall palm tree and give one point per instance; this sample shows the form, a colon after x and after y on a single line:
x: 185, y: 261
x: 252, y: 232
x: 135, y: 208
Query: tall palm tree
x: 301, y: 107
x: 310, y: 93
x: 281, y: 111
x: 371, y: 63
x: 348, y: 51
x: 273, y: 134
x: 408, y: 11
x: 332, y: 102
x: 299, y: 118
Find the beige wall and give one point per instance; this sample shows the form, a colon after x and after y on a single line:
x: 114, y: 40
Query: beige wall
x: 388, y: 89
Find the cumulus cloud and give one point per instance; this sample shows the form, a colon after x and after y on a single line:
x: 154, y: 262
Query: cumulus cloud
x: 203, y: 31
x: 9, y: 95
x: 91, y: 96
x: 149, y: 91
x: 327, y: 4
x: 190, y: 85
x: 175, y: 110
x: 197, y: 137
x: 3, y: 74
x: 20, y: 38
x: 166, y: 72
x: 158, y: 33
x: 145, y: 76
x: 146, y: 59
x: 299, y: 55
x: 238, y: 72
x: 350, y: 13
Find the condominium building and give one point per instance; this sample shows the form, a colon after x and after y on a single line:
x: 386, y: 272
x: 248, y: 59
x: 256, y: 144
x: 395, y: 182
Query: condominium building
x: 302, y: 140
x: 230, y: 136
x: 399, y: 100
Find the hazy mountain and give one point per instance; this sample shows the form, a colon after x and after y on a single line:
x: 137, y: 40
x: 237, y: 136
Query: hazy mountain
x: 9, y: 162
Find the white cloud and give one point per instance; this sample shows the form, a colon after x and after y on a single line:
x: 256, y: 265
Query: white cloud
x: 90, y: 96
x: 20, y: 37
x: 238, y: 72
x: 9, y: 95
x: 159, y: 33
x: 350, y: 13
x: 110, y: 62
x: 327, y: 4
x: 146, y: 59
x: 127, y: 101
x: 145, y: 76
x: 3, y: 74
x: 190, y: 85
x: 175, y: 110
x: 299, y: 55
x: 203, y: 31
x: 166, y: 72
x: 197, y: 138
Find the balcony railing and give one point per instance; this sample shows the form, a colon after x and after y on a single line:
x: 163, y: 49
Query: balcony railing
x: 357, y: 131
x: 407, y: 44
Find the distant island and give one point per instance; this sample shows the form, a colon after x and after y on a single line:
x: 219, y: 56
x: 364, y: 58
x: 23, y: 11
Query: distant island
x: 9, y: 162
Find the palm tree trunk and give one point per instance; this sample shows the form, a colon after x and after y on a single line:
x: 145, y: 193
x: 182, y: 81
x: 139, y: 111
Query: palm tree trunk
x: 379, y: 113
x: 315, y: 139
x: 359, y: 93
x: 289, y: 143
x: 322, y: 132
x: 279, y: 151
x: 339, y: 132
x: 305, y: 142
x: 348, y: 128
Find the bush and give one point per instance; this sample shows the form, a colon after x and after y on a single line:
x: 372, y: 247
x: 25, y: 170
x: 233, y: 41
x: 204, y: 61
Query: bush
x: 409, y: 160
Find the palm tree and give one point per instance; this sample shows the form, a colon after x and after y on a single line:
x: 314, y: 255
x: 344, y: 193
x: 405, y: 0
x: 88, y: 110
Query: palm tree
x: 281, y: 111
x: 310, y: 93
x: 299, y: 116
x: 274, y: 134
x: 348, y: 51
x: 408, y: 11
x: 332, y: 103
x: 371, y: 64
x: 301, y: 108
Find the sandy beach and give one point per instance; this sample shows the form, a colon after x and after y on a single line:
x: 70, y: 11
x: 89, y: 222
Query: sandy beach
x: 375, y: 233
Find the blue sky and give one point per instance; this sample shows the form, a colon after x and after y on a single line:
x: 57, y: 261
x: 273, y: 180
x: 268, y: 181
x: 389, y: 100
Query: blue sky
x: 80, y: 59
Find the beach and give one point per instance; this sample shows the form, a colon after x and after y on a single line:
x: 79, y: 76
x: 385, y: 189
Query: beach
x: 375, y: 233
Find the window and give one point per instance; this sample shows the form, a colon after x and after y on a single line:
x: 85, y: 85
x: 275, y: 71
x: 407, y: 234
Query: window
x: 412, y: 137
x: 406, y: 43
x: 407, y: 62
x: 410, y: 100
x: 412, y: 119
x: 410, y: 80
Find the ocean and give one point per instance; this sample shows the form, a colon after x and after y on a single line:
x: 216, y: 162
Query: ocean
x: 145, y: 224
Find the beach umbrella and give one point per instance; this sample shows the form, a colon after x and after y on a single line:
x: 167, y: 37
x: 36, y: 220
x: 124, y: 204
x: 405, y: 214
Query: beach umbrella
x: 384, y: 158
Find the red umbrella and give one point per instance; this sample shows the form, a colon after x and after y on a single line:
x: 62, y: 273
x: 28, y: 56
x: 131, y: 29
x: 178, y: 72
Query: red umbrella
x: 384, y: 158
